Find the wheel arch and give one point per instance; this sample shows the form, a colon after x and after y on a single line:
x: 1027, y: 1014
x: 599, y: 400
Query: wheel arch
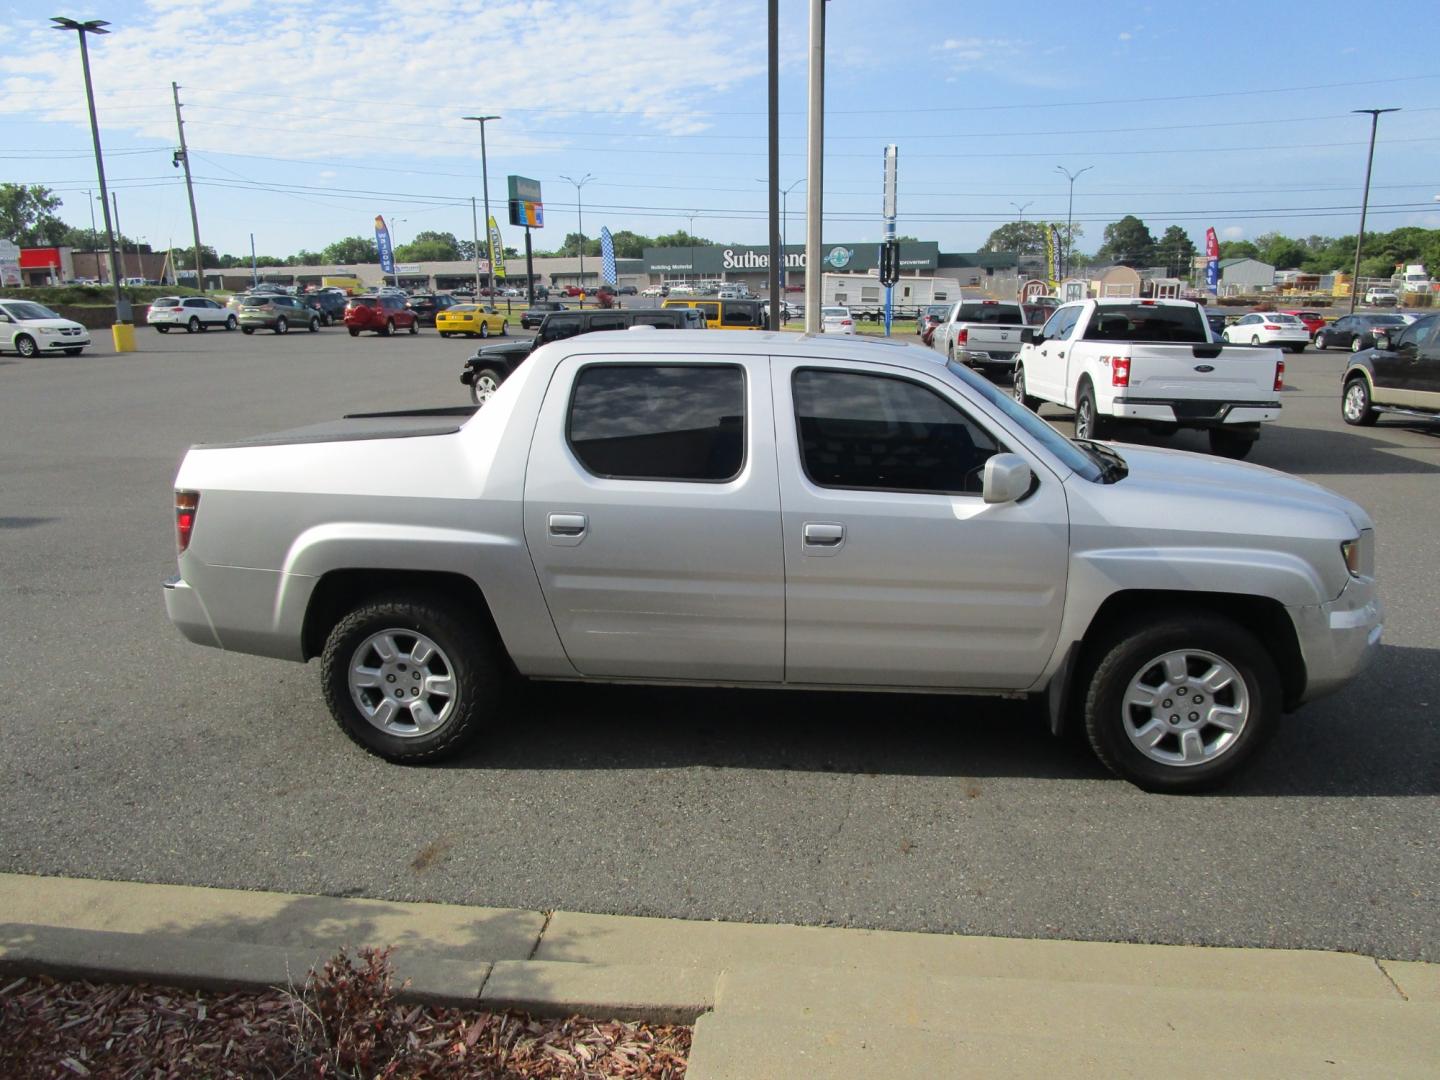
x: 339, y: 592
x: 1265, y: 616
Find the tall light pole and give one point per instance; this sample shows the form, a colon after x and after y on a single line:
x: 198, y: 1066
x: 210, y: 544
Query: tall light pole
x: 1070, y: 212
x: 784, y: 224
x: 485, y: 184
x: 691, y: 234
x: 1365, y: 199
x: 123, y: 314
x: 815, y: 169
x: 580, y: 215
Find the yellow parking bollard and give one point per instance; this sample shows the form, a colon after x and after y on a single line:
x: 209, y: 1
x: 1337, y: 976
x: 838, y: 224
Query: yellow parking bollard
x: 124, y: 334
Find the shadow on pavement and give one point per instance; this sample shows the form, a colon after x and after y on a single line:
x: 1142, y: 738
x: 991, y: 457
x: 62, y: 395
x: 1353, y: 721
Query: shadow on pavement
x: 1378, y: 737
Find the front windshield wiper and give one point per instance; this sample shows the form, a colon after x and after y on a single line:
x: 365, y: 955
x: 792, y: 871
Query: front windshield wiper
x: 1112, y: 465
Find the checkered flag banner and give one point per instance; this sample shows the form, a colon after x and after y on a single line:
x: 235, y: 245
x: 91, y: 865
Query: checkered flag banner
x: 607, y: 256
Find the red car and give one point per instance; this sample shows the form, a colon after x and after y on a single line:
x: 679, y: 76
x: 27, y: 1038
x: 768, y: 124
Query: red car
x: 1313, y: 320
x: 384, y: 314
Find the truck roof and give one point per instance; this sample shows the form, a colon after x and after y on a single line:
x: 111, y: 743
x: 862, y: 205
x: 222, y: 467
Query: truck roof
x: 644, y: 341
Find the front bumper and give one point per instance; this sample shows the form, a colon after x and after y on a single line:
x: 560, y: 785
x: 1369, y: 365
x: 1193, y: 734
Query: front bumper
x: 1338, y: 639
x: 56, y: 342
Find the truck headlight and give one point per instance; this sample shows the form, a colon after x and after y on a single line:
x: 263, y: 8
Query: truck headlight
x: 1350, y: 549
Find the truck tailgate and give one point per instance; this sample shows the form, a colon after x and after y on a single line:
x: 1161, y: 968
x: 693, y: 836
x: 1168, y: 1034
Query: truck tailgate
x: 995, y: 339
x: 1203, y: 372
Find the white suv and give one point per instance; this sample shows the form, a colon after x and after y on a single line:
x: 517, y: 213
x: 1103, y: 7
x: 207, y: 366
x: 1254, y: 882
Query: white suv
x: 194, y: 313
x: 1381, y: 297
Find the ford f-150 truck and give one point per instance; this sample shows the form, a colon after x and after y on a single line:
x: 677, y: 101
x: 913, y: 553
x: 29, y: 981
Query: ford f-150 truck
x: 1153, y: 361
x: 757, y: 509
x: 983, y: 334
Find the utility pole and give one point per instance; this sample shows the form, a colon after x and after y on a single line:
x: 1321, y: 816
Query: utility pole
x: 1365, y: 200
x: 1070, y: 213
x: 190, y: 191
x: 580, y: 214
x: 815, y: 171
x: 777, y: 250
x: 119, y: 236
x: 254, y: 270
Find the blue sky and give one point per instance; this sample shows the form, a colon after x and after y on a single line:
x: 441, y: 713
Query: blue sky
x: 307, y: 119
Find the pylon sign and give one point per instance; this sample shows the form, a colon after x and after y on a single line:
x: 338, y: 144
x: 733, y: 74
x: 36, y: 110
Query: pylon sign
x: 889, y: 263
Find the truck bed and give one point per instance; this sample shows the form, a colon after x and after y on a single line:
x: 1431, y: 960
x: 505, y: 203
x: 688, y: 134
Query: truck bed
x: 404, y: 424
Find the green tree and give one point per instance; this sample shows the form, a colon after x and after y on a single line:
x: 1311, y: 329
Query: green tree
x: 1281, y: 252
x: 430, y: 246
x: 353, y: 249
x: 185, y: 258
x: 1128, y: 242
x: 1176, y: 251
x: 1238, y: 249
x: 27, y: 215
x: 680, y: 238
x: 631, y: 245
x: 1021, y: 237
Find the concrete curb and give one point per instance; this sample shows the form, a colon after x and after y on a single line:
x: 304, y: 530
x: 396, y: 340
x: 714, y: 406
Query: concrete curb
x: 772, y: 1000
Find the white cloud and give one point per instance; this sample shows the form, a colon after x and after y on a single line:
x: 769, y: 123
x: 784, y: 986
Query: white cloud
x: 261, y: 72
x: 1125, y: 35
x: 983, y: 53
x: 1232, y: 232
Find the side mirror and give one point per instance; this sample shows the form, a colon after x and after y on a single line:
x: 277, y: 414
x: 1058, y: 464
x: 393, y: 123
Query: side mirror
x: 1382, y: 341
x: 1031, y: 336
x: 1007, y: 478
x: 4, y: 317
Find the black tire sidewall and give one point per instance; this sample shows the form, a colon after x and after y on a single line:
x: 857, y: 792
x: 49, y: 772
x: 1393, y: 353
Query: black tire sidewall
x: 1117, y: 661
x: 473, y: 656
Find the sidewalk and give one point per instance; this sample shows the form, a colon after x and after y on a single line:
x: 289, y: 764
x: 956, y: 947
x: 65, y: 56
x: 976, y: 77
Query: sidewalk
x: 778, y: 1001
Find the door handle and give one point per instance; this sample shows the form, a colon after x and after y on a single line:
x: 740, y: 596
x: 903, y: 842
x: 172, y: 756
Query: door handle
x: 567, y: 524
x: 1061, y: 355
x: 823, y: 534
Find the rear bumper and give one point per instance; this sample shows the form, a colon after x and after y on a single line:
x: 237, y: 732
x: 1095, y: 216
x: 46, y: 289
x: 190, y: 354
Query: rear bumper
x: 1196, y: 414
x: 183, y: 606
x: 986, y: 359
x: 1338, y: 639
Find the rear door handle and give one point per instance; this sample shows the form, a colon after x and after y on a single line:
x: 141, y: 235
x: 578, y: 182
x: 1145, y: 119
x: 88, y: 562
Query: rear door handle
x: 822, y: 537
x: 567, y: 529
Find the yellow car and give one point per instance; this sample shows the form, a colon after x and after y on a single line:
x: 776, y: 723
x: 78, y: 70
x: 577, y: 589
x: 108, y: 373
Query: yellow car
x: 470, y: 319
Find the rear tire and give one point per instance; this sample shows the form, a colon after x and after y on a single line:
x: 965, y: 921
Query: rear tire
x: 193, y: 326
x: 505, y: 328
x: 247, y: 330
x: 1355, y: 345
x: 1199, y: 665
x: 354, y: 331
x: 1229, y: 444
x: 162, y: 329
x: 1089, y: 424
x: 1018, y: 390
x: 1254, y: 339
x: 414, y: 326
x: 462, y: 671
x: 1356, y: 408
x: 314, y: 324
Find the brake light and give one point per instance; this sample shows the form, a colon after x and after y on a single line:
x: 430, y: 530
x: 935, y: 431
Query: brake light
x: 187, y: 504
x: 962, y: 336
x: 1119, y: 371
x: 177, y: 309
x: 1279, y: 374
x: 846, y: 322
x: 1272, y: 326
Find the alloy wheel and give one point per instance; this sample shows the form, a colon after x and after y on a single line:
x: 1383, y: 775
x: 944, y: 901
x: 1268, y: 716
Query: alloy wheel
x: 1186, y: 707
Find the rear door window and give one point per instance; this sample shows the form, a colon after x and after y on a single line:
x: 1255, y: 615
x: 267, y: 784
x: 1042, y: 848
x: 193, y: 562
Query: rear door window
x: 558, y: 327
x: 681, y: 422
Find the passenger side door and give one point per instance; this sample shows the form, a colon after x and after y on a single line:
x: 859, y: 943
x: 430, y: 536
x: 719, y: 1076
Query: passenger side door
x: 652, y: 518
x: 1050, y: 374
x: 897, y: 572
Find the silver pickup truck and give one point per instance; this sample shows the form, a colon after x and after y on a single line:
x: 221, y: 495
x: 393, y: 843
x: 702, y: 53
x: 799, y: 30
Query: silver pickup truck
x: 982, y: 334
x: 769, y: 510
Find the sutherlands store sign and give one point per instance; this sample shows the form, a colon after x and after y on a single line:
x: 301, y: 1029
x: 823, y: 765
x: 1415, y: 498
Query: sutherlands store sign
x: 838, y: 258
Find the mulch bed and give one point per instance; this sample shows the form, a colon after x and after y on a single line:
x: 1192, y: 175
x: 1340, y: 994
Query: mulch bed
x: 343, y: 1023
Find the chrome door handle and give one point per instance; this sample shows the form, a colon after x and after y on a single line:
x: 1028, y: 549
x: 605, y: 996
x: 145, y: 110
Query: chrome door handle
x: 825, y: 534
x: 567, y: 524
x: 1061, y: 355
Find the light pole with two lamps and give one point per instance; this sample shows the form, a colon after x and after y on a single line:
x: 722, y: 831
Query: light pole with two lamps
x: 485, y: 183
x: 1374, y: 115
x: 580, y: 215
x: 123, y: 313
x: 1070, y: 212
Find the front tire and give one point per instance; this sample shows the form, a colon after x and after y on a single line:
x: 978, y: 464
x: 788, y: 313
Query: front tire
x: 505, y: 329
x: 314, y: 324
x: 354, y: 331
x: 1355, y: 405
x: 1320, y: 342
x: 1254, y: 339
x: 484, y: 385
x: 162, y: 329
x: 282, y: 325
x: 388, y: 329
x: 1018, y: 390
x: 247, y: 329
x: 484, y: 330
x: 1180, y: 703
x: 414, y: 326
x: 411, y: 678
x: 1355, y: 345
x: 1089, y: 424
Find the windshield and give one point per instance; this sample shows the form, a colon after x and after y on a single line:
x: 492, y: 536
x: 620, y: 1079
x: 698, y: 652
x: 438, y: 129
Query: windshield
x: 1068, y: 452
x: 25, y: 309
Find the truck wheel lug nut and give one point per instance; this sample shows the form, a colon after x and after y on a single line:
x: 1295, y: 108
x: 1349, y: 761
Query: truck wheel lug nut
x: 1194, y: 716
x: 1174, y: 719
x: 1168, y: 703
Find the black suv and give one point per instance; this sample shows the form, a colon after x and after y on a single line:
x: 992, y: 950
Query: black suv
x: 535, y: 314
x: 1399, y: 374
x: 493, y: 364
x: 330, y: 305
x: 428, y: 305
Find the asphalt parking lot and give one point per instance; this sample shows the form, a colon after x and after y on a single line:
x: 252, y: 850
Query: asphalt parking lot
x: 132, y: 754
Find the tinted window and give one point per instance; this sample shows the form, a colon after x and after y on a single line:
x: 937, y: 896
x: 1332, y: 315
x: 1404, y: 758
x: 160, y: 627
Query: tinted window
x: 1147, y: 322
x: 556, y: 327
x: 879, y: 432
x: 710, y: 310
x: 1061, y: 323
x: 1415, y: 333
x: 165, y: 301
x: 608, y: 322
x: 990, y: 313
x: 659, y: 422
x: 738, y: 315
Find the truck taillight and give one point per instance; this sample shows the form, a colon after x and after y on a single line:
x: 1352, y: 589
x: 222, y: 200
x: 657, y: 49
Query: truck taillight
x: 1119, y: 371
x: 187, y: 504
x: 1279, y: 374
x: 962, y: 335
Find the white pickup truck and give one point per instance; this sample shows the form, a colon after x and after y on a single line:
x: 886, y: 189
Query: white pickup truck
x: 1151, y: 361
x: 982, y: 334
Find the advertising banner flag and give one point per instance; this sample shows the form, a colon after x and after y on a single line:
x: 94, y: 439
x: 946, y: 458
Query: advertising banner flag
x: 607, y: 256
x: 497, y: 249
x: 382, y: 244
x: 1052, y: 254
x: 1212, y: 265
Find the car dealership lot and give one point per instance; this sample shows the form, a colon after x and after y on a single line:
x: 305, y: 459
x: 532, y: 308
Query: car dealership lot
x: 131, y: 754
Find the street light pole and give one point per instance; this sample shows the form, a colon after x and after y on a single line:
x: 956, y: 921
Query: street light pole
x: 485, y: 183
x: 691, y: 234
x: 1365, y: 199
x: 580, y: 215
x: 1070, y: 212
x: 815, y: 169
x: 123, y: 314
